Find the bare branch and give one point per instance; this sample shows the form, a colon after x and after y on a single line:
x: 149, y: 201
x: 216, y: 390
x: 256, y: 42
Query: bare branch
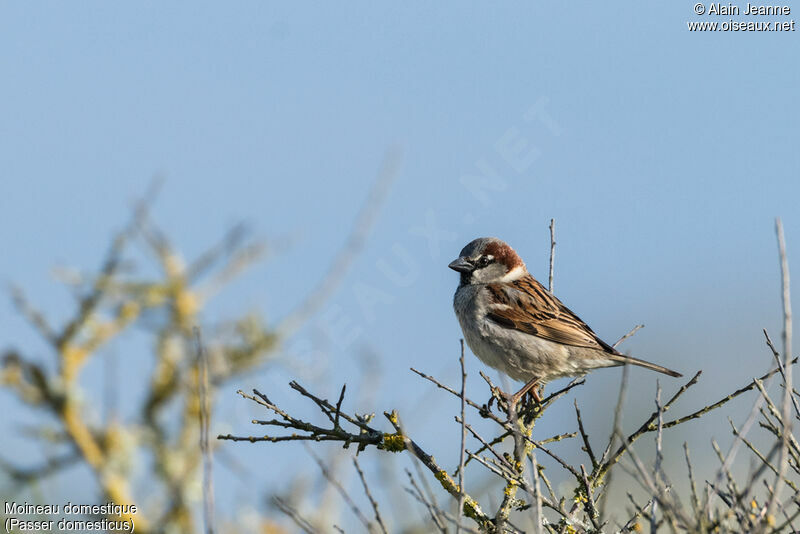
x: 204, y: 413
x: 647, y: 426
x: 783, y: 459
x: 628, y: 335
x: 368, y: 493
x: 433, y: 510
x: 552, y: 253
x: 587, y: 447
x: 338, y: 486
x: 461, y: 459
x: 294, y: 515
x: 778, y: 361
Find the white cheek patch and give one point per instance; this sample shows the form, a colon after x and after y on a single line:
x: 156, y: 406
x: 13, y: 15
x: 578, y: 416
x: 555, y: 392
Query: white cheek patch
x: 514, y: 274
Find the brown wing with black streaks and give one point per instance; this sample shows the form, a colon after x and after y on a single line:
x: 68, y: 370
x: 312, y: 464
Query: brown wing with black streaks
x: 525, y: 305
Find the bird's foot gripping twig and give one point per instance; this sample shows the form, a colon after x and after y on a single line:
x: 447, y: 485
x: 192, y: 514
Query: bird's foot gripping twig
x: 530, y: 393
x: 503, y: 399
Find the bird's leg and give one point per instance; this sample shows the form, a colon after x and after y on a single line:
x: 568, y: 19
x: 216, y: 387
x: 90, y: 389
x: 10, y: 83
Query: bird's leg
x: 529, y: 387
x: 529, y: 393
x: 536, y: 394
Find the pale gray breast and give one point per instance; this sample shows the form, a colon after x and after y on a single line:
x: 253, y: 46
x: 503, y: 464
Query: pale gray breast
x: 469, y: 305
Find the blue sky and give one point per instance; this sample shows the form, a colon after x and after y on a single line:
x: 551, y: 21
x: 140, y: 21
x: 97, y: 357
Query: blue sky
x: 663, y: 155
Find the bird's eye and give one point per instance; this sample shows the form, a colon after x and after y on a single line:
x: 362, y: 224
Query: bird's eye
x: 483, y: 261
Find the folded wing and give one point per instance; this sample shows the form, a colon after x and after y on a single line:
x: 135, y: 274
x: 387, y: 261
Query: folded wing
x: 525, y: 305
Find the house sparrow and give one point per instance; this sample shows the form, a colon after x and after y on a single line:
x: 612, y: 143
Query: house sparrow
x: 512, y: 323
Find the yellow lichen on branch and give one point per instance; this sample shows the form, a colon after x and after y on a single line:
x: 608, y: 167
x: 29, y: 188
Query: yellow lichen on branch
x: 109, y: 301
x: 394, y: 442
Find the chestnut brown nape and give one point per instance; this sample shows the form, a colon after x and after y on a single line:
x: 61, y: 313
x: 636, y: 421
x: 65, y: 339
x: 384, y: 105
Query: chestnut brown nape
x: 504, y: 254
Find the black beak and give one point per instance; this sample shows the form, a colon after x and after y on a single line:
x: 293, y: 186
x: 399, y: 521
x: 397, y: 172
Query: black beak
x: 462, y: 265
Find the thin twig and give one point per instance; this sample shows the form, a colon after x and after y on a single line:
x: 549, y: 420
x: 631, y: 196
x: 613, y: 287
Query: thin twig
x: 550, y: 399
x: 433, y: 509
x: 498, y: 468
x: 336, y: 484
x: 25, y: 475
x: 659, y: 457
x: 783, y: 458
x: 590, y: 508
x: 294, y: 515
x: 632, y: 525
x: 426, y: 486
x: 447, y: 483
x: 623, y: 388
x: 461, y: 458
x: 538, y: 516
x: 730, y: 482
x: 33, y: 315
x: 503, y: 512
x: 205, y: 415
x: 760, y: 456
x: 777, y: 357
x: 671, y: 507
x: 436, y: 513
x: 486, y: 446
x: 587, y: 447
x: 372, y: 501
x: 692, y: 484
x: 629, y: 334
x: 484, y: 412
x: 339, y: 406
x: 552, y: 253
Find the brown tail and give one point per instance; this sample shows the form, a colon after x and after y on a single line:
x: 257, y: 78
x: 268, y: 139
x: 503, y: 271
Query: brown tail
x: 622, y: 359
